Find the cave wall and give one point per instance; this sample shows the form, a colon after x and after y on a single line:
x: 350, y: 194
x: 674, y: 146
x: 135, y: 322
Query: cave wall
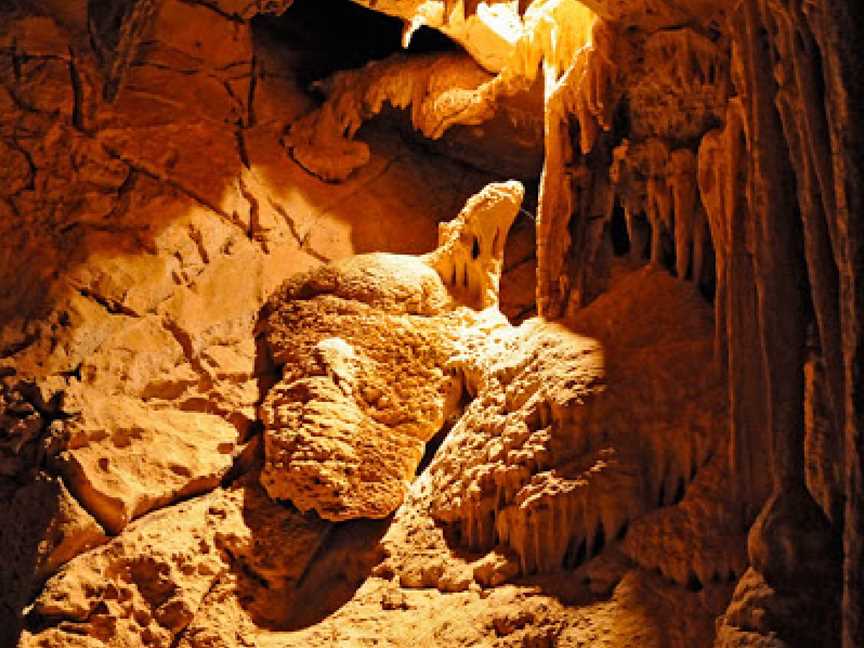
x: 725, y: 139
x: 148, y: 210
x: 773, y: 173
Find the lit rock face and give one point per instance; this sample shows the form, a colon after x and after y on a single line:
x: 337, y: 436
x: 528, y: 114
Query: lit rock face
x: 125, y: 459
x: 573, y: 436
x: 449, y: 90
x: 696, y: 542
x: 366, y: 347
x: 43, y: 509
x: 363, y: 391
x: 508, y: 435
x: 439, y: 90
x: 680, y: 87
x: 154, y: 228
x: 145, y: 586
x: 470, y: 253
x: 137, y: 217
x: 487, y: 31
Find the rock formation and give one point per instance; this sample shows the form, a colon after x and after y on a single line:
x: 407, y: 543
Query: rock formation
x: 514, y: 323
x: 365, y: 347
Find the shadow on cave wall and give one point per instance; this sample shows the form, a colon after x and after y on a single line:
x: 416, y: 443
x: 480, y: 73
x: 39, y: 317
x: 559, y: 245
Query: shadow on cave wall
x: 335, y: 564
x: 338, y: 570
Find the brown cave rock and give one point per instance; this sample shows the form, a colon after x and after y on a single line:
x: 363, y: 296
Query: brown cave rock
x: 443, y: 323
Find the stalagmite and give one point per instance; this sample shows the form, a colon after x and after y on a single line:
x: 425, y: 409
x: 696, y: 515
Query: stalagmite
x: 470, y: 253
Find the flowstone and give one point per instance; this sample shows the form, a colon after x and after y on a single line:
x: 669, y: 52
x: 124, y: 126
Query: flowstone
x: 366, y: 348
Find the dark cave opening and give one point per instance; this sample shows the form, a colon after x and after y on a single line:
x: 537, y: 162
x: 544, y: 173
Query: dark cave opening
x: 618, y: 230
x: 342, y: 35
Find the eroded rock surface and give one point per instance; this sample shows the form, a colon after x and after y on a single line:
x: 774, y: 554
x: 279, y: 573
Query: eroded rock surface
x: 148, y: 211
x: 558, y: 453
x: 125, y: 459
x: 366, y: 349
x: 146, y: 585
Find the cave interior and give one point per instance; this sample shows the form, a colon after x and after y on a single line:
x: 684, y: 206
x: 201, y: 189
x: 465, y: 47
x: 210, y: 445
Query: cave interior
x: 470, y: 323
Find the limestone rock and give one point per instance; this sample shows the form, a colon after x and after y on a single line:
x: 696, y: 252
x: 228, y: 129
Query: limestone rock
x: 184, y: 54
x: 761, y: 616
x: 438, y: 89
x: 146, y: 585
x: 470, y: 253
x: 696, y: 541
x: 362, y: 390
x: 126, y: 458
x: 483, y: 476
x: 489, y: 33
x: 365, y: 347
x: 681, y: 88
x: 448, y: 90
x: 558, y: 435
x: 30, y: 435
x: 41, y: 527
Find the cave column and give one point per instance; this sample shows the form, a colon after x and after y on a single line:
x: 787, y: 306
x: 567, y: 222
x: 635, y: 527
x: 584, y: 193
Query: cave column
x: 750, y: 445
x: 555, y: 203
x: 838, y: 28
x: 791, y: 529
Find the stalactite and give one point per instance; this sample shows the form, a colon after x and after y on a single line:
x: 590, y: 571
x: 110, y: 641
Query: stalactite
x: 838, y: 29
x: 585, y: 95
x: 441, y: 90
x: 804, y: 126
x: 723, y: 169
x: 681, y: 178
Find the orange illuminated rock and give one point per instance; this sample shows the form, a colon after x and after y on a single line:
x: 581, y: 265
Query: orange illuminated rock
x: 126, y: 458
x: 365, y: 346
x: 145, y: 586
x: 576, y: 430
x: 438, y: 89
x: 42, y: 527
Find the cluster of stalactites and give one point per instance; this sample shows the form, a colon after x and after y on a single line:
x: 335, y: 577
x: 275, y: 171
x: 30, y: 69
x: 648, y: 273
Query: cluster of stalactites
x: 585, y: 93
x: 445, y: 90
x: 677, y: 87
x: 555, y: 514
x: 662, y: 184
x: 439, y: 89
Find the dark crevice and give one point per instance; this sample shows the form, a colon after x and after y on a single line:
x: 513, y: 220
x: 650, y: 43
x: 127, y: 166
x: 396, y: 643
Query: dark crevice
x: 679, y: 491
x: 432, y: 447
x: 250, y: 100
x: 618, y: 231
x: 124, y: 196
x: 302, y: 241
x: 693, y: 583
x: 77, y: 93
x: 599, y: 540
x: 111, y: 306
x: 215, y: 9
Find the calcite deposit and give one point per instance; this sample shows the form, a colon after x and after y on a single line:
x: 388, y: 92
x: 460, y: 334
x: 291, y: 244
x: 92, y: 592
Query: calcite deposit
x: 366, y: 350
x: 439, y: 322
